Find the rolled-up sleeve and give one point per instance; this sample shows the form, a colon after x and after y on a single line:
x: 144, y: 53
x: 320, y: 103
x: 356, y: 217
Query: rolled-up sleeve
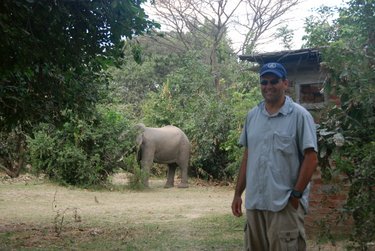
x: 307, y: 133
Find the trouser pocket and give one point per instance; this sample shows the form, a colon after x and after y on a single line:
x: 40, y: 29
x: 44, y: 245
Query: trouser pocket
x: 292, y: 240
x: 246, y: 236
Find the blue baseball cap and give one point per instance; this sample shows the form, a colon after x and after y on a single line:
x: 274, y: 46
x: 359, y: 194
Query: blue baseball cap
x: 275, y: 68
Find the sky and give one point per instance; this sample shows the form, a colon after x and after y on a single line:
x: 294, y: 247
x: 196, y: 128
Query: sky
x: 303, y: 11
x: 298, y: 16
x: 296, y: 21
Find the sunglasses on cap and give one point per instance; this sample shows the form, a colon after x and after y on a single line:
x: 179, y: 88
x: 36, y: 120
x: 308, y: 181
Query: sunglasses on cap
x: 272, y: 81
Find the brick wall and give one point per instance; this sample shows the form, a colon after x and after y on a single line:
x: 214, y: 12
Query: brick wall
x: 326, y: 206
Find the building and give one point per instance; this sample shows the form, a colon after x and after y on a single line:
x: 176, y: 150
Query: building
x: 306, y: 80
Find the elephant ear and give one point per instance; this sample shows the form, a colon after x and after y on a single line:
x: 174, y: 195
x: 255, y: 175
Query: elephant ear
x: 140, y: 127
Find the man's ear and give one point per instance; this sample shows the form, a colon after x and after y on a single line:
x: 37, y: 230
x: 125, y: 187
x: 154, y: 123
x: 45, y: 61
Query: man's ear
x: 286, y: 83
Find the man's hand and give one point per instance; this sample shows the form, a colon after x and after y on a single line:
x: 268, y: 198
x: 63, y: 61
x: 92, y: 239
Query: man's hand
x: 237, y: 206
x: 240, y: 187
x: 295, y: 202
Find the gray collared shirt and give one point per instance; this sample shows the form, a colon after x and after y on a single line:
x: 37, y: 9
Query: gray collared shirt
x: 276, y: 144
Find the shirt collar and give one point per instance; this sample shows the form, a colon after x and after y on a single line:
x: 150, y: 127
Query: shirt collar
x: 284, y: 110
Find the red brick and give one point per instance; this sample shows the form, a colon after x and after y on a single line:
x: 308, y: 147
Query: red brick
x: 326, y: 202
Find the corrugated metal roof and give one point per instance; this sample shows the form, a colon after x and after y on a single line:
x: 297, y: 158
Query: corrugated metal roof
x: 284, y: 56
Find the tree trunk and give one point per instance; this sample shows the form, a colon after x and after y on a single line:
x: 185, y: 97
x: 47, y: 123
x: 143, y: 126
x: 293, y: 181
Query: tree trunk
x: 12, y: 164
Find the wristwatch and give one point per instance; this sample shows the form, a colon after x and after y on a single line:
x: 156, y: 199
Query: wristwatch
x: 296, y: 194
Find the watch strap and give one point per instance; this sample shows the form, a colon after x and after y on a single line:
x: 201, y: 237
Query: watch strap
x: 296, y: 194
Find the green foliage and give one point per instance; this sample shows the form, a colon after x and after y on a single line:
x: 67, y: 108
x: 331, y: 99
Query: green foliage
x: 137, y: 178
x: 241, y: 102
x: 51, y: 52
x: 137, y: 175
x: 12, y: 151
x: 286, y: 36
x: 173, y: 99
x: 321, y: 29
x: 200, y: 115
x: 132, y: 81
x: 211, y: 119
x: 361, y: 197
x: 81, y: 152
x: 61, y: 161
x: 52, y: 58
x: 170, y: 85
x: 347, y: 132
x: 211, y: 125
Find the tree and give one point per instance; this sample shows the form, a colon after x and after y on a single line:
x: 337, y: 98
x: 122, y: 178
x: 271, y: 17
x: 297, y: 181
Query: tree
x: 286, y: 36
x: 53, y: 53
x: 262, y: 17
x: 203, y: 117
x: 321, y: 29
x: 197, y: 23
x: 347, y: 131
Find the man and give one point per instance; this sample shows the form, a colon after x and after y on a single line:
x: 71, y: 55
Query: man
x: 279, y: 159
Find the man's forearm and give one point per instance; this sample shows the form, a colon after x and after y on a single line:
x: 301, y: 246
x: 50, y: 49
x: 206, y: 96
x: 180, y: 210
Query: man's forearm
x: 241, y: 179
x: 309, y: 164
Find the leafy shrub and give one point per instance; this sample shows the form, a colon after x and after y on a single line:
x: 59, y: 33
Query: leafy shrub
x: 347, y: 128
x: 136, y: 179
x: 241, y: 102
x: 81, y: 152
x: 137, y: 175
x: 345, y: 148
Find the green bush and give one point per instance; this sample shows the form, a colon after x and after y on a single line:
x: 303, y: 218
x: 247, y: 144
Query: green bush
x: 137, y: 175
x: 347, y: 128
x: 81, y: 152
x: 136, y: 179
x: 241, y: 101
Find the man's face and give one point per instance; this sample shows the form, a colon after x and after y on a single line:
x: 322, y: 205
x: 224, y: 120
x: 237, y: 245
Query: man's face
x: 273, y: 88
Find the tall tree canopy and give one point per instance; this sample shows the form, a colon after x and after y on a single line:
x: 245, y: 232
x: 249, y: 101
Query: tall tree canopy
x: 52, y: 54
x: 47, y: 46
x: 196, y: 23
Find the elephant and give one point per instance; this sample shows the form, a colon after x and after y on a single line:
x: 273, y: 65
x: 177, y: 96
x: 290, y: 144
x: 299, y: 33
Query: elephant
x: 165, y: 145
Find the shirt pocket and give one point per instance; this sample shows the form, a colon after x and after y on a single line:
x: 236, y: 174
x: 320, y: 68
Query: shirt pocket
x: 284, y: 143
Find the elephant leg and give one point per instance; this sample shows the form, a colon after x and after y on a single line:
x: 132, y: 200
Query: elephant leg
x: 170, y: 175
x: 184, y: 174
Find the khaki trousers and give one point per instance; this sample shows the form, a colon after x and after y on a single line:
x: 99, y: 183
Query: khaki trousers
x: 275, y: 231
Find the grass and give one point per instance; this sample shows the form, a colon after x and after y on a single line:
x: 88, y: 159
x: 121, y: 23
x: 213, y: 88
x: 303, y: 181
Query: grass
x: 38, y: 215
x: 220, y: 232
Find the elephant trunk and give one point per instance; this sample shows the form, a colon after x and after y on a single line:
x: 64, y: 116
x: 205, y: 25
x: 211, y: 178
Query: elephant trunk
x: 140, y: 128
x: 139, y: 154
